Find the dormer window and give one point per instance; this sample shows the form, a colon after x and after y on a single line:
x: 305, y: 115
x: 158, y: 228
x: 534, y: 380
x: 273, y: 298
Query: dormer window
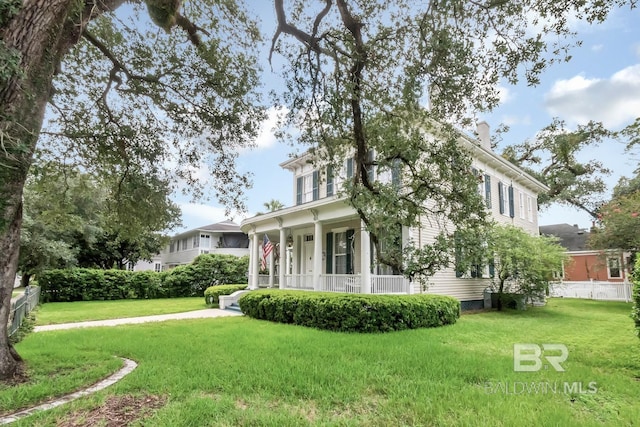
x: 307, y: 189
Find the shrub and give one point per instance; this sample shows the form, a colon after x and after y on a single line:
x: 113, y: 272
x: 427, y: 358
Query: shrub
x: 351, y: 312
x: 84, y: 284
x: 212, y: 293
x: 636, y: 296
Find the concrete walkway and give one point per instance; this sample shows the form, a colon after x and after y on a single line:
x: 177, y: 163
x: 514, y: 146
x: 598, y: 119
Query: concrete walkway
x: 198, y: 314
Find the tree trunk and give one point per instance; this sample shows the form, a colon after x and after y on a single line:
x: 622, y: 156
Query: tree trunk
x: 24, y: 280
x: 500, y: 294
x: 39, y: 34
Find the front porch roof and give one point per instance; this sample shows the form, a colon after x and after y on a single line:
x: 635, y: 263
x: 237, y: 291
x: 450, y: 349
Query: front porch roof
x: 326, y: 210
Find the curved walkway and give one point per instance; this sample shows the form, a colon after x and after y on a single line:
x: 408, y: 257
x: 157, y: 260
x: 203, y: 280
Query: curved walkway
x: 129, y: 366
x: 198, y: 314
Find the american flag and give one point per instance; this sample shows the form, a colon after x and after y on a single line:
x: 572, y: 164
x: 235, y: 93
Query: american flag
x: 267, y: 247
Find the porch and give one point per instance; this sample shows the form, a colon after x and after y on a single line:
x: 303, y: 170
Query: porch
x: 349, y: 283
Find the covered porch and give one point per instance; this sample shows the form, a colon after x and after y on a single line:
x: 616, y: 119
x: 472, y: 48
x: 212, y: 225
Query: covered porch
x: 321, y: 246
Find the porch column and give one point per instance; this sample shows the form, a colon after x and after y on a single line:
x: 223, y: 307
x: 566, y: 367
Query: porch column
x: 255, y: 261
x: 365, y: 259
x: 272, y: 264
x: 283, y: 263
x: 317, y: 255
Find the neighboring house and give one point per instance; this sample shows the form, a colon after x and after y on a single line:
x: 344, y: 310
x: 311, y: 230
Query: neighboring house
x: 220, y: 238
x: 324, y: 246
x: 587, y: 264
x: 155, y: 265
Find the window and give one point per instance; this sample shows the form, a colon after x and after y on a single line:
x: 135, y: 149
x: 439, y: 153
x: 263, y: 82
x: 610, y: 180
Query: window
x: 469, y: 263
x: 339, y: 253
x: 185, y: 243
x: 196, y: 241
x: 157, y: 267
x: 613, y: 268
x: 307, y: 188
x: 530, y: 208
x: 505, y: 194
x: 350, y: 167
x: 521, y: 206
x: 172, y: 247
x: 130, y: 266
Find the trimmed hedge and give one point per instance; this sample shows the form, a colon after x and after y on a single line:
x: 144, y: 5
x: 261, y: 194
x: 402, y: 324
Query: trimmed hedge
x: 636, y: 296
x: 83, y: 284
x: 212, y: 293
x: 351, y: 312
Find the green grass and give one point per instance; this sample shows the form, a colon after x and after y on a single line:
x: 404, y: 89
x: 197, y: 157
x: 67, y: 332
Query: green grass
x: 80, y: 311
x: 244, y: 372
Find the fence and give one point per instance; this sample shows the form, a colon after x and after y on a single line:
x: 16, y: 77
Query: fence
x: 605, y: 291
x: 22, y: 306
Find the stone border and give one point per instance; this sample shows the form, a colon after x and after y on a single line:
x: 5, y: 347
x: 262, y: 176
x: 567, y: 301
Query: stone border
x: 129, y: 366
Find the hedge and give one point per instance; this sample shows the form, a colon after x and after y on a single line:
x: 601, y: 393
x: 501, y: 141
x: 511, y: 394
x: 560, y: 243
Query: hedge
x: 351, y: 312
x: 212, y: 293
x: 636, y: 296
x: 82, y: 284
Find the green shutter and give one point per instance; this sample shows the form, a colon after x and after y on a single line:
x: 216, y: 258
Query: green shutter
x: 329, y: 180
x: 395, y: 174
x: 349, y: 167
x: 487, y: 191
x: 329, y: 251
x: 458, y: 254
x: 299, y: 190
x: 501, y: 196
x: 511, y: 207
x: 370, y: 170
x: 349, y: 252
x: 316, y: 188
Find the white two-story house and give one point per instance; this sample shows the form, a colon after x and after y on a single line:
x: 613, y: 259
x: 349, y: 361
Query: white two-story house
x: 325, y: 247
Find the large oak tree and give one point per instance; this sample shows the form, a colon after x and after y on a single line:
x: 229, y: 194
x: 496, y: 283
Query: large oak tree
x: 123, y: 96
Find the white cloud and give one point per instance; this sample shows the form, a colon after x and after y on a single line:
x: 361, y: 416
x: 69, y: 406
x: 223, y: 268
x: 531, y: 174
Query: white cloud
x: 511, y: 120
x: 613, y: 101
x: 597, y: 47
x: 504, y: 94
x: 266, y: 137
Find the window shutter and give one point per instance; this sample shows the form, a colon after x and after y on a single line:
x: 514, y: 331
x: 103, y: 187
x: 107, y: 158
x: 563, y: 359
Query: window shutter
x: 329, y: 180
x: 349, y: 252
x: 370, y: 170
x: 511, y: 207
x: 492, y: 269
x: 487, y: 191
x: 349, y: 167
x: 316, y: 188
x: 501, y: 196
x: 395, y: 173
x: 329, y: 269
x: 299, y: 190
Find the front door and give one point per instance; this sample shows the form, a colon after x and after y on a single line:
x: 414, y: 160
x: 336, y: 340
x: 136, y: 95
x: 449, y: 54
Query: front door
x: 308, y: 255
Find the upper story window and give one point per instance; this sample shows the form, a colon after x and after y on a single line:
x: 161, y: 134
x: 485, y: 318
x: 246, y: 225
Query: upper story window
x: 307, y: 188
x: 505, y: 195
x: 205, y: 241
x: 530, y: 208
x: 521, y: 205
x: 172, y: 247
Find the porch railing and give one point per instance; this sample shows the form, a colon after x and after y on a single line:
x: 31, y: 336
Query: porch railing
x: 349, y: 283
x: 389, y: 284
x: 298, y: 281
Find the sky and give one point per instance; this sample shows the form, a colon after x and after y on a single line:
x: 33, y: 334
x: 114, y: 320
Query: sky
x: 601, y: 83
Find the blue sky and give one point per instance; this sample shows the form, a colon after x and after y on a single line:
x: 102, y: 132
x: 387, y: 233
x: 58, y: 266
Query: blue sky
x: 601, y: 82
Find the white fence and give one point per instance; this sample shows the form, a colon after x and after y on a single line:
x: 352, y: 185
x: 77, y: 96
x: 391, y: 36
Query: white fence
x: 605, y: 291
x: 298, y: 281
x: 22, y: 306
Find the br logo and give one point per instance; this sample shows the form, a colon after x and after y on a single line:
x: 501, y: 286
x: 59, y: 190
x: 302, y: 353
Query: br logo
x: 529, y: 357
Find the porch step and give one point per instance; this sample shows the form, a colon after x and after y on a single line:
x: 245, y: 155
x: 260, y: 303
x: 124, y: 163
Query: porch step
x: 234, y: 307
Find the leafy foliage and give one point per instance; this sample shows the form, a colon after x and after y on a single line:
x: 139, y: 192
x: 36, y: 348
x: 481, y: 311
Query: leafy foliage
x: 351, y: 312
x: 522, y: 264
x: 358, y: 75
x: 554, y: 158
x: 636, y: 296
x: 80, y: 284
x: 618, y: 224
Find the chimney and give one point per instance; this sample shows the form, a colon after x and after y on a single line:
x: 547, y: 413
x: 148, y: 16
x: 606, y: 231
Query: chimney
x: 482, y: 129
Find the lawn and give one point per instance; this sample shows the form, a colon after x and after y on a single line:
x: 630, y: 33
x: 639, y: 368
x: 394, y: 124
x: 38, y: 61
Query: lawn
x: 243, y: 372
x: 68, y: 312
